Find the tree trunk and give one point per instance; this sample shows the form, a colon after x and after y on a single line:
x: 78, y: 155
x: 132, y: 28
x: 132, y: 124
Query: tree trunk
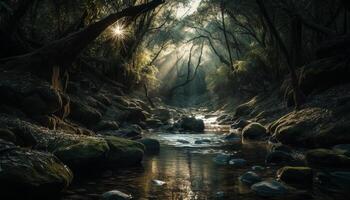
x: 63, y: 52
x: 299, y: 97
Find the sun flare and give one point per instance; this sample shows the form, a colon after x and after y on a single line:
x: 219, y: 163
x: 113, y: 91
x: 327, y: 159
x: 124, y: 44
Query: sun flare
x: 118, y: 31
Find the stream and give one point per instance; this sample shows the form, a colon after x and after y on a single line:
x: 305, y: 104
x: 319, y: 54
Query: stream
x: 187, y: 167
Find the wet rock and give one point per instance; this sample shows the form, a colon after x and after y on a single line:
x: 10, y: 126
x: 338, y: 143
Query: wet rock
x: 250, y: 178
x: 343, y: 149
x: 83, y: 113
x: 278, y: 157
x: 131, y: 132
x: 237, y: 162
x: 151, y: 145
x: 87, y: 151
x: 162, y: 114
x: 154, y: 123
x: 7, y: 135
x: 202, y: 141
x: 254, y: 131
x: 222, y: 159
x: 282, y: 148
x: 269, y: 189
x: 115, y: 195
x: 241, y: 123
x: 337, y: 181
x: 32, y: 173
x: 325, y: 158
x: 183, y: 141
x: 123, y: 152
x: 296, y: 175
x: 106, y: 125
x: 258, y: 168
x: 192, y: 124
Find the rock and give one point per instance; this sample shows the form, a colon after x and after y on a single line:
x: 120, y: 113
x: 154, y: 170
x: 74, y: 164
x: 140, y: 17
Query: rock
x: 324, y: 158
x: 296, y: 175
x: 269, y: 189
x: 154, y: 123
x: 158, y: 182
x: 241, y: 123
x: 83, y: 113
x: 151, y: 145
x: 258, y: 168
x: 237, y: 162
x: 132, y: 132
x: 282, y: 148
x: 115, y: 195
x: 249, y: 178
x: 202, y: 141
x: 162, y: 114
x: 183, y: 141
x: 123, y: 152
x: 337, y: 181
x: 311, y: 128
x: 133, y: 115
x: 87, y: 151
x: 33, y: 173
x: 222, y: 159
x: 278, y: 157
x: 106, y: 125
x: 192, y: 124
x: 219, y: 195
x: 342, y: 149
x: 254, y: 131
x: 7, y: 135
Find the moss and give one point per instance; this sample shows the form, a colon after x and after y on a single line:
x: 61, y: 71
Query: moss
x: 124, y: 152
x: 88, y: 150
x: 325, y: 158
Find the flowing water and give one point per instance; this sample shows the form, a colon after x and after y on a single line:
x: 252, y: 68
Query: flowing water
x: 187, y: 167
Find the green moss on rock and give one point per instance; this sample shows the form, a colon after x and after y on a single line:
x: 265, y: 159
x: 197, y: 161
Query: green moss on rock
x: 325, y: 158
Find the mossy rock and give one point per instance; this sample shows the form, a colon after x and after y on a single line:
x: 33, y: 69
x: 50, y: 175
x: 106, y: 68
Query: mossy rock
x: 254, y: 131
x: 296, y: 175
x: 192, y: 124
x: 325, y: 158
x: 124, y: 152
x: 152, y: 145
x: 31, y: 173
x: 87, y: 151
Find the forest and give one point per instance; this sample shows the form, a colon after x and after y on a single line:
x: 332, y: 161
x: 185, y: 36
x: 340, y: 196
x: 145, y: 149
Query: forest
x: 174, y: 99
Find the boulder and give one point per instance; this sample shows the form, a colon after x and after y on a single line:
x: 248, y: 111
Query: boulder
x: 281, y: 147
x: 83, y: 113
x: 278, y: 157
x: 106, y: 125
x: 254, y: 131
x: 123, y: 152
x: 269, y: 189
x: 31, y: 173
x: 192, y: 124
x: 86, y: 151
x: 132, y: 132
x: 151, y: 145
x: 241, y: 123
x: 336, y: 181
x: 154, y: 123
x: 162, y: 114
x: 133, y: 115
x: 249, y: 178
x: 311, y: 127
x: 325, y: 158
x: 296, y: 175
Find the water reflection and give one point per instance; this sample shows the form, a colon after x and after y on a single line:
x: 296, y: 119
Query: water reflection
x: 189, y: 172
